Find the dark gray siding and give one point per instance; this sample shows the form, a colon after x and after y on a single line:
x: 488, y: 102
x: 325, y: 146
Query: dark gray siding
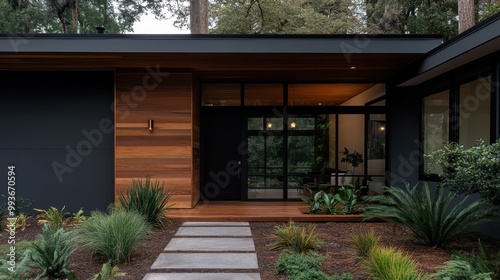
x: 46, y: 121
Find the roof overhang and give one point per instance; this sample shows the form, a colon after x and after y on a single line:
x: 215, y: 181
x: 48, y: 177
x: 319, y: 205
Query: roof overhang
x: 367, y: 58
x: 477, y: 42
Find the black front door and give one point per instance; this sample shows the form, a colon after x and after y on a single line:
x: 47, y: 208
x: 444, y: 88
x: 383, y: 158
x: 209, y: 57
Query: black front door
x: 222, y: 155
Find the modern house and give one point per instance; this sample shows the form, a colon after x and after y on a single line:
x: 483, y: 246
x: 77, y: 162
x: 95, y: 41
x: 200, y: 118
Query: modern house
x: 237, y: 117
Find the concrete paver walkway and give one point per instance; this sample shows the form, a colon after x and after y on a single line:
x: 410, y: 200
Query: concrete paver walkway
x: 208, y: 246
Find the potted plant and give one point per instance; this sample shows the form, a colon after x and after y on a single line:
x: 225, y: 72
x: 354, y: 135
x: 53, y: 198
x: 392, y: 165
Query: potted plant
x: 354, y: 159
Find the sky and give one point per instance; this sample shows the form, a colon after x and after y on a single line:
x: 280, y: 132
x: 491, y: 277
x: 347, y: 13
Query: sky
x: 149, y: 25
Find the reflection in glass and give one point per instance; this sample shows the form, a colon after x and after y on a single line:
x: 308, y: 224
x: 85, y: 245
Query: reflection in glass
x: 435, y: 125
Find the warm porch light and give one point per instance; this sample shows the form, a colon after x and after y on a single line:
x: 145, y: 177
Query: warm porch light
x: 151, y: 124
x: 382, y: 128
x: 293, y: 125
x: 269, y: 125
x: 352, y: 67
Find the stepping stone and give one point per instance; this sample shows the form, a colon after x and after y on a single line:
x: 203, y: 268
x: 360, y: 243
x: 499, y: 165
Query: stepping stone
x: 210, y: 244
x: 206, y: 261
x: 215, y: 224
x: 202, y: 276
x: 213, y: 231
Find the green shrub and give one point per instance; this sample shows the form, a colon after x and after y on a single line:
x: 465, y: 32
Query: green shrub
x: 21, y: 271
x: 364, y: 242
x: 320, y: 275
x: 53, y: 216
x: 21, y: 222
x: 292, y: 264
x: 343, y: 202
x: 51, y: 252
x: 470, y: 170
x: 113, y: 236
x: 149, y: 199
x: 295, y: 238
x: 477, y: 266
x: 108, y: 272
x: 431, y: 218
x: 387, y: 263
x: 78, y: 217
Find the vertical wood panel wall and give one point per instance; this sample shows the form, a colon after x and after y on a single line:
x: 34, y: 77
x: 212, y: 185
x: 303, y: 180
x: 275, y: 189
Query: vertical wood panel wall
x: 166, y: 153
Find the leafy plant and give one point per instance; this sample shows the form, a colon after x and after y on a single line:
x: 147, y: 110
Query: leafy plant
x: 477, y: 266
x: 21, y: 222
x: 53, y: 216
x: 21, y: 271
x: 292, y: 264
x: 78, y: 217
x: 322, y: 203
x: 343, y: 202
x: 431, y: 218
x: 389, y: 263
x: 295, y: 238
x: 112, y: 236
x: 51, y: 252
x: 470, y: 171
x: 364, y: 242
x: 149, y: 199
x: 354, y: 159
x: 108, y: 272
x: 347, y: 197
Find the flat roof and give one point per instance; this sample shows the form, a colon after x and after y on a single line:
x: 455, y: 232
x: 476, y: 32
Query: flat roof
x: 191, y: 43
x: 479, y: 41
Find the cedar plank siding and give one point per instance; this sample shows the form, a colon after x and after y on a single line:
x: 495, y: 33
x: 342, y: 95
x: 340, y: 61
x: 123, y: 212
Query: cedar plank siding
x: 166, y: 153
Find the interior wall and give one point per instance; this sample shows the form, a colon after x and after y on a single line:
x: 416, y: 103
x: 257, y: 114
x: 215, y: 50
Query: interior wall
x: 366, y: 96
x: 351, y: 136
x: 166, y: 153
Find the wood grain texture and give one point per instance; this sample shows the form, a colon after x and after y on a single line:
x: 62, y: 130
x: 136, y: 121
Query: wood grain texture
x: 195, y: 139
x: 166, y: 153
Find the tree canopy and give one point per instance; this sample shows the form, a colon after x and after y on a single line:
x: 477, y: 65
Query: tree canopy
x: 244, y: 16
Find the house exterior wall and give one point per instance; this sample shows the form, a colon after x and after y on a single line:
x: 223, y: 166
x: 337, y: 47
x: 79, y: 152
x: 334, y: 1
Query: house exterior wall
x: 57, y: 130
x: 166, y: 153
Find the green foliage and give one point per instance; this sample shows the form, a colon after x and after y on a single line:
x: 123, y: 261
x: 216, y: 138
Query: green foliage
x: 479, y: 266
x: 470, y: 171
x: 149, y: 199
x: 78, y: 217
x: 388, y: 263
x: 343, y: 202
x: 21, y: 221
x: 354, y: 158
x: 295, y: 238
x: 51, y: 252
x: 42, y: 16
x: 431, y: 218
x: 53, y: 216
x: 293, y: 264
x: 285, y: 17
x: 364, y: 242
x: 21, y: 271
x: 108, y: 272
x: 113, y: 236
x: 21, y: 203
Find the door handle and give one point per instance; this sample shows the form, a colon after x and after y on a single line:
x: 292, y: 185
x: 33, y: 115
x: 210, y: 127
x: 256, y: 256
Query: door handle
x: 239, y: 169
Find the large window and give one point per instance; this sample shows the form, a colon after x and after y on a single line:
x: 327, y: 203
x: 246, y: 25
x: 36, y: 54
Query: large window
x: 435, y: 124
x: 475, y: 104
x: 462, y: 116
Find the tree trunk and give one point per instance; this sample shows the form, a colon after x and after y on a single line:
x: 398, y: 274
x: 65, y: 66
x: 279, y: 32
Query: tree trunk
x: 199, y: 16
x: 466, y: 16
x: 75, y: 15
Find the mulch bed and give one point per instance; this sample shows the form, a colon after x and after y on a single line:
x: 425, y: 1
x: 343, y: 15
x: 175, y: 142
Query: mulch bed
x: 335, y: 245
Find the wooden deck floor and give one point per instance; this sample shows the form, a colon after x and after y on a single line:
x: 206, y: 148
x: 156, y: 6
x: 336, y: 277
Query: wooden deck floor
x: 254, y: 211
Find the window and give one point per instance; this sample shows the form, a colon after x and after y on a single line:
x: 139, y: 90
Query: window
x: 435, y: 124
x: 474, y: 122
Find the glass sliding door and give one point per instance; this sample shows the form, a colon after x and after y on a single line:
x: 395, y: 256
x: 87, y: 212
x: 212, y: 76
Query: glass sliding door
x: 265, y: 157
x: 311, y: 152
